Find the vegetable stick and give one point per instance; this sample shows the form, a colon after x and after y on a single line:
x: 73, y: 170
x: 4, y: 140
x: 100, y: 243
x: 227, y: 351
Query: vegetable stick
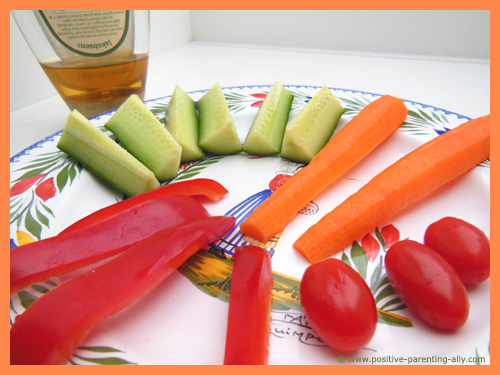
x: 358, y: 138
x: 40, y: 260
x: 249, y: 317
x: 53, y: 327
x: 211, y: 189
x: 411, y: 178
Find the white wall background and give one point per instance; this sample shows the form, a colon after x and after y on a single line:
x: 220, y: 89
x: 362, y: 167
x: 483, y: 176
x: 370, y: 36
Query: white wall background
x: 446, y: 34
x: 438, y: 33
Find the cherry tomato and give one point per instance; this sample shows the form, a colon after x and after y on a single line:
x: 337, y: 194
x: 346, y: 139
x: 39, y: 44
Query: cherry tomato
x: 427, y: 284
x: 339, y: 305
x: 463, y: 245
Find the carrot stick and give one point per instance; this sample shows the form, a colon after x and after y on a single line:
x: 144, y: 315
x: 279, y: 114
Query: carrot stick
x: 358, y: 138
x: 411, y: 178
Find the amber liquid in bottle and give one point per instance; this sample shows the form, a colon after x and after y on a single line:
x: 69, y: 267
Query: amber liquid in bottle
x: 93, y: 90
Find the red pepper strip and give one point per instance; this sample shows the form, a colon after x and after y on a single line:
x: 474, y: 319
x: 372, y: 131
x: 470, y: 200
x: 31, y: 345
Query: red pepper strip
x: 53, y: 327
x: 249, y: 319
x: 55, y: 256
x: 201, y: 186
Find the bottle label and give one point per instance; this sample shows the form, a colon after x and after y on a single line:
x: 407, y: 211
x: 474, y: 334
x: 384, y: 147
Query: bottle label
x: 88, y: 32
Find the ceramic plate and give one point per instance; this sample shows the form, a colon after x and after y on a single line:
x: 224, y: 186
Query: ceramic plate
x: 183, y: 320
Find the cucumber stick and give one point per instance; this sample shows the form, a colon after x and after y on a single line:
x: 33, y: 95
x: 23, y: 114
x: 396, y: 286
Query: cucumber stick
x: 144, y: 136
x: 218, y: 134
x: 268, y: 127
x: 309, y: 131
x: 181, y: 121
x: 87, y: 144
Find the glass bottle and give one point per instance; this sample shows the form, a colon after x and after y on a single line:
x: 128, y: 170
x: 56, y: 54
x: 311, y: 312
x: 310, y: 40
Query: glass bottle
x: 95, y: 59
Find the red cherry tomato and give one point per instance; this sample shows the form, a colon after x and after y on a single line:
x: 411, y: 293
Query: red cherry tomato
x: 427, y: 284
x: 339, y: 305
x: 463, y: 245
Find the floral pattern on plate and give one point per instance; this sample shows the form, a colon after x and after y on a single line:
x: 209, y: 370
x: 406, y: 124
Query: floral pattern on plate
x: 48, y: 188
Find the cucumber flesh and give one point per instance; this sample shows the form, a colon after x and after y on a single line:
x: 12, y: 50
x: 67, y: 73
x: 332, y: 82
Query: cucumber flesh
x: 181, y: 121
x: 309, y: 131
x: 218, y: 134
x: 87, y: 144
x: 268, y: 127
x: 144, y: 136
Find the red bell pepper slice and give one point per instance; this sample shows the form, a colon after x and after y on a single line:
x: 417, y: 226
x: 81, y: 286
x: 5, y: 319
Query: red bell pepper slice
x: 53, y: 327
x: 211, y: 189
x: 249, y: 319
x: 39, y: 261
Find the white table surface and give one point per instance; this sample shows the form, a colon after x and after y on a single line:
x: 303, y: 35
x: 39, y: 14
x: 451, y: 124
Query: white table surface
x: 458, y: 86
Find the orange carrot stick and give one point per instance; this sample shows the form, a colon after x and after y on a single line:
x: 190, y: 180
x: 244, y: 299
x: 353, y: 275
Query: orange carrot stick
x: 358, y: 138
x: 406, y: 181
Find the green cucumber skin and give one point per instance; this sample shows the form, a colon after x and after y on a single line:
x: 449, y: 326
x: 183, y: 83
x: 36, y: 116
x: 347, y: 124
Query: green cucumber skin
x: 266, y: 137
x: 181, y: 121
x: 145, y: 137
x: 311, y: 129
x: 109, y: 180
x: 103, y: 157
x: 218, y: 133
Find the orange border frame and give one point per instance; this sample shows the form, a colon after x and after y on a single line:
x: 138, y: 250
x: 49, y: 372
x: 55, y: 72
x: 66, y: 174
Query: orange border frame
x: 257, y: 4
